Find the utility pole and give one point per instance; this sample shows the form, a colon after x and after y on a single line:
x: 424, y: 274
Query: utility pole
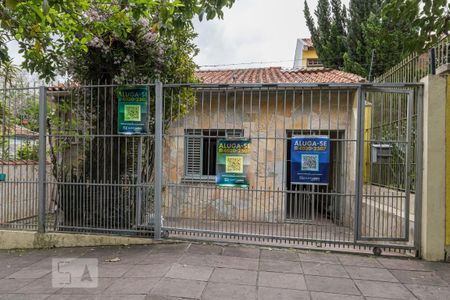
x: 371, y: 64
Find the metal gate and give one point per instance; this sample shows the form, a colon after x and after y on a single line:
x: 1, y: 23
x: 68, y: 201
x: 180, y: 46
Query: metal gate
x: 390, y: 166
x: 373, y: 195
x: 91, y: 179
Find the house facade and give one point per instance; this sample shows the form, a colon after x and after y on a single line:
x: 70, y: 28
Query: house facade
x: 269, y: 116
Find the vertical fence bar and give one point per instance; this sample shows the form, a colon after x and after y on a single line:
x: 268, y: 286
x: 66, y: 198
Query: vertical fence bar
x: 359, y: 163
x: 158, y: 156
x: 410, y: 99
x: 42, y: 158
x: 139, y: 183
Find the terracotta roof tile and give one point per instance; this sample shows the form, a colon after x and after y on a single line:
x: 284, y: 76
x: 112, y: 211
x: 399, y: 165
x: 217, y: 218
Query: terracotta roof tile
x: 277, y: 75
x: 25, y: 132
x: 18, y: 162
x: 20, y: 131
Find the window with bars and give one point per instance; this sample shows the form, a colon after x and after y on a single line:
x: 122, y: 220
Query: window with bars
x: 200, y: 151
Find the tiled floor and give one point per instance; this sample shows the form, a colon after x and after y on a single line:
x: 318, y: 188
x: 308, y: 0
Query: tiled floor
x: 202, y: 271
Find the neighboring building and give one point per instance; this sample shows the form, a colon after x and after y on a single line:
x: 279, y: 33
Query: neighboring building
x: 17, y: 136
x: 306, y: 55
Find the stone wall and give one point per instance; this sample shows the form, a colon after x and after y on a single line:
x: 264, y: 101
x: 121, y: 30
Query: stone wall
x: 266, y: 118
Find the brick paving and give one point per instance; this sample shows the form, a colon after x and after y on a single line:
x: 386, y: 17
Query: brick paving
x: 208, y: 271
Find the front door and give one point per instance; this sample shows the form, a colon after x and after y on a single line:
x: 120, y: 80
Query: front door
x: 319, y: 203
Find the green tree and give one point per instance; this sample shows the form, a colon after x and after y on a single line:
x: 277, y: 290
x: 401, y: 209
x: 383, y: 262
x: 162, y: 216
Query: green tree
x: 427, y: 21
x: 142, y: 56
x: 377, y: 34
x: 358, y: 56
x: 3, y: 48
x: 4, y: 143
x: 29, y: 113
x: 28, y: 151
x: 338, y: 40
x: 329, y: 36
x: 47, y: 30
x: 106, y: 41
x: 8, y: 71
x: 388, y: 42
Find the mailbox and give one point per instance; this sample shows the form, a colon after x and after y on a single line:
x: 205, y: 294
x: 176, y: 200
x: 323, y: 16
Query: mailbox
x: 381, y: 152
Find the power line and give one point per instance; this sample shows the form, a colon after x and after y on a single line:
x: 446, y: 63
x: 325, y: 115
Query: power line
x: 276, y: 61
x: 248, y: 63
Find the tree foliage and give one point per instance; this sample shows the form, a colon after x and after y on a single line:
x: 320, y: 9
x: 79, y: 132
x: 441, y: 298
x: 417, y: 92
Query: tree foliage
x: 28, y: 151
x: 49, y: 31
x: 427, y: 20
x: 376, y: 34
x: 3, y: 48
x: 329, y: 36
x: 102, y: 42
x: 8, y: 72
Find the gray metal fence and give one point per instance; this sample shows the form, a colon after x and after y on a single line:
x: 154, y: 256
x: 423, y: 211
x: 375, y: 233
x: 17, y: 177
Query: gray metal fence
x: 416, y: 66
x: 442, y: 51
x: 90, y: 178
x: 355, y: 208
x: 103, y: 181
x: 19, y: 165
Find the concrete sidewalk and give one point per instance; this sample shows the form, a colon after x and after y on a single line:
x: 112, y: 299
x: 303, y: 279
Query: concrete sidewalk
x: 197, y: 271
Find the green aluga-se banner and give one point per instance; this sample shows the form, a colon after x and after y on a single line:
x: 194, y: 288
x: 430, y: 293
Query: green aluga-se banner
x: 133, y: 110
x: 233, y: 162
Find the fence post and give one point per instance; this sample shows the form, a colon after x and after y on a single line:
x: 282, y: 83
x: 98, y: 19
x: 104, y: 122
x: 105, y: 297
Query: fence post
x: 42, y: 182
x: 158, y: 156
x: 359, y: 172
x: 433, y: 61
x: 139, y: 183
x: 419, y: 172
x: 433, y: 165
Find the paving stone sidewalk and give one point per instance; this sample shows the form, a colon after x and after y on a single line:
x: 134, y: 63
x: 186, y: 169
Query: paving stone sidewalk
x: 204, y: 271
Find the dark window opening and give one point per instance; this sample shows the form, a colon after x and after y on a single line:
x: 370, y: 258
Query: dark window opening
x: 200, y: 154
x: 209, y: 156
x: 310, y: 202
x: 313, y: 62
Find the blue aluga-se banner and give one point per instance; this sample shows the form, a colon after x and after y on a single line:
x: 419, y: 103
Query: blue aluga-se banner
x: 310, y: 160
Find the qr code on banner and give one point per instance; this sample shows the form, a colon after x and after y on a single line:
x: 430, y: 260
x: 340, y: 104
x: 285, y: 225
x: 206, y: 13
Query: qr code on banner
x: 310, y: 162
x: 132, y: 113
x: 234, y: 164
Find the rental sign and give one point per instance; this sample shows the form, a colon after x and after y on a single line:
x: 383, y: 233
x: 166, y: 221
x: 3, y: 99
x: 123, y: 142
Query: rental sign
x: 133, y: 110
x: 310, y: 160
x: 233, y: 160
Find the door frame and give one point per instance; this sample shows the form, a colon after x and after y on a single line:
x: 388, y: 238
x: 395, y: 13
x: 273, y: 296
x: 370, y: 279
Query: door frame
x: 411, y: 94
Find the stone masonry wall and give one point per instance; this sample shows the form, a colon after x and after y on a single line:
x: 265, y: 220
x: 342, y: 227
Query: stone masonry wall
x: 265, y: 117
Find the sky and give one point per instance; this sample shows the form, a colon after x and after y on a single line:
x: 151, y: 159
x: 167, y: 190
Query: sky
x: 253, y: 31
